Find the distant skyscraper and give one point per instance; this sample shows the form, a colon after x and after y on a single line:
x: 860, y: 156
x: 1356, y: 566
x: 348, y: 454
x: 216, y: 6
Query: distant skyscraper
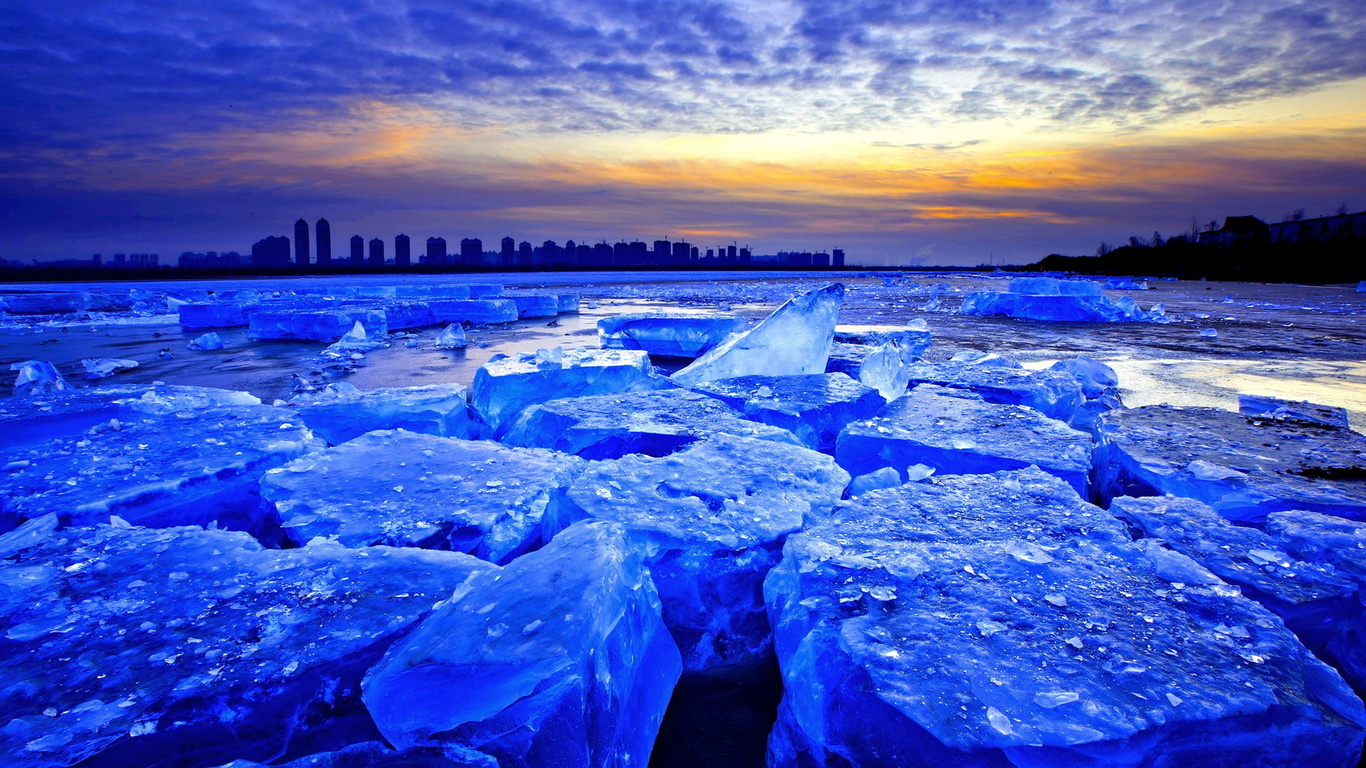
x: 746, y: 256
x: 525, y: 254
x: 730, y: 254
x: 471, y: 252
x: 376, y: 252
x: 357, y: 249
x: 681, y: 250
x: 508, y: 254
x: 662, y: 251
x: 403, y: 254
x: 436, y: 251
x: 324, y: 231
x: 301, y: 243
x: 838, y: 256
x: 270, y: 252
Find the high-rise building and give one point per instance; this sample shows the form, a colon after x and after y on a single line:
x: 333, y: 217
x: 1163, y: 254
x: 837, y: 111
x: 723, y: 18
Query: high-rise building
x: 301, y: 243
x: 403, y: 254
x: 357, y: 250
x: 550, y: 253
x: 270, y: 252
x: 837, y: 256
x: 471, y: 252
x: 436, y: 251
x: 681, y: 250
x: 730, y: 254
x: 746, y: 255
x: 525, y: 254
x: 508, y: 254
x: 324, y: 232
x: 662, y: 250
x: 376, y: 252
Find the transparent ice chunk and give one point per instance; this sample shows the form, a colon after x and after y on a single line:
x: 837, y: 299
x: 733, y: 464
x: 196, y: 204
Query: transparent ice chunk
x: 37, y: 377
x: 337, y: 413
x: 813, y: 407
x: 667, y: 335
x: 505, y: 386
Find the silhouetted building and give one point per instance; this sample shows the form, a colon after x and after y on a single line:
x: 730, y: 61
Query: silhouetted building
x: 508, y: 253
x: 301, y: 243
x: 436, y: 251
x: 681, y: 250
x: 550, y: 253
x: 324, y: 232
x: 403, y: 253
x: 602, y: 255
x: 471, y: 252
x: 376, y: 252
x: 837, y: 257
x: 820, y: 259
x: 209, y: 260
x: 525, y: 254
x: 270, y: 252
x: 357, y: 250
x: 1237, y: 230
x: 662, y: 251
x: 730, y: 254
x: 746, y: 256
x: 1323, y: 228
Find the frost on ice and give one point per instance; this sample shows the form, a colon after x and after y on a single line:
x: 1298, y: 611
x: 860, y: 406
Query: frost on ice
x: 559, y: 658
x: 405, y: 489
x: 814, y: 407
x: 999, y: 620
x: 668, y: 335
x: 341, y: 412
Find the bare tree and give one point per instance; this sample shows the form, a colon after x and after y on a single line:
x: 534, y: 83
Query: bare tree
x: 1295, y: 215
x: 1104, y: 248
x: 1342, y: 208
x: 1158, y: 242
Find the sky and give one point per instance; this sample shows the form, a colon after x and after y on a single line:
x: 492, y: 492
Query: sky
x: 906, y: 133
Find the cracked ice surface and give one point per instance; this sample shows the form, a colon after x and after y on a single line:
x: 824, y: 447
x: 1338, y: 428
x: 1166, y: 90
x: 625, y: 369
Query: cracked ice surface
x: 1243, y: 467
x: 654, y: 423
x: 954, y: 432
x: 341, y: 413
x: 814, y: 407
x: 714, y: 517
x: 1000, y: 620
x: 405, y: 489
x: 1055, y: 394
x: 668, y: 335
x: 128, y: 645
x: 559, y: 658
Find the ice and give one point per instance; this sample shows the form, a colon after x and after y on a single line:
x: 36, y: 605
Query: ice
x: 956, y: 433
x: 1322, y: 539
x: 813, y: 407
x: 341, y: 412
x: 1048, y: 286
x: 567, y: 302
x: 37, y: 377
x: 188, y: 467
x: 1042, y: 298
x: 1243, y: 467
x: 1056, y: 394
x: 653, y: 423
x: 46, y: 303
x: 195, y: 316
x: 885, y: 370
x: 139, y: 647
x: 406, y: 315
x: 913, y: 338
x: 1099, y: 388
x: 473, y: 310
x: 712, y: 518
x: 355, y: 340
x: 1288, y: 410
x: 794, y: 340
x: 668, y: 335
x: 1125, y: 284
x: 505, y: 386
x: 410, y: 490
x: 377, y: 754
x: 560, y: 658
x: 315, y: 325
x: 452, y: 337
x: 485, y: 291
x: 43, y: 417
x: 531, y: 305
x: 207, y: 342
x: 999, y: 620
x: 104, y: 367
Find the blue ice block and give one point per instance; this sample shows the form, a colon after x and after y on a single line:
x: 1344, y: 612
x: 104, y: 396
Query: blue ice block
x: 46, y: 303
x: 533, y: 305
x: 1048, y: 299
x: 339, y: 414
x: 668, y: 334
x: 472, y: 310
x: 653, y: 423
x: 1322, y: 539
x: 560, y: 658
x: 1001, y: 621
x: 1056, y: 394
x: 150, y: 647
x: 955, y: 432
x: 813, y: 407
x: 485, y: 290
x: 406, y: 315
x: 913, y: 339
x: 405, y: 489
x: 1290, y: 410
x: 1243, y: 467
x: 712, y: 518
x: 567, y: 302
x: 314, y: 325
x: 38, y: 377
x: 214, y: 314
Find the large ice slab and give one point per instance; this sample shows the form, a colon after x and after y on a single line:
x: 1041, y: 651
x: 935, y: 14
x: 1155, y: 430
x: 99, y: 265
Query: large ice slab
x: 913, y: 338
x: 668, y: 335
x: 1292, y: 410
x: 559, y: 658
x: 180, y: 468
x: 533, y: 305
x: 713, y: 518
x: 814, y: 407
x: 1242, y: 466
x: 213, y: 314
x: 999, y: 620
x: 654, y: 423
x: 956, y: 432
x: 405, y: 315
x: 1322, y: 539
x: 45, y: 417
x: 1056, y: 394
x: 340, y: 413
x: 46, y: 303
x: 314, y: 325
x: 473, y: 310
x: 405, y: 489
x: 150, y: 647
x: 505, y: 386
x: 794, y: 340
x: 1042, y: 298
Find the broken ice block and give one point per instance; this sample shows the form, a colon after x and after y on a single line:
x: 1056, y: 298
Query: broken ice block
x: 884, y: 369
x: 1322, y: 539
x: 955, y: 432
x: 559, y: 658
x: 713, y: 517
x: 37, y: 377
x: 1042, y: 298
x: 405, y: 315
x: 1289, y: 410
x: 137, y: 647
x: 999, y: 620
x: 315, y: 325
x: 341, y: 413
x: 485, y: 291
x: 208, y: 342
x: 1243, y: 467
x: 504, y: 386
x: 473, y: 310
x: 531, y: 305
x: 653, y: 423
x: 46, y: 303
x: 794, y: 340
x: 104, y: 367
x: 667, y: 335
x: 196, y: 316
x: 180, y: 468
x: 567, y: 302
x: 409, y: 490
x: 814, y: 407
x: 452, y: 337
x: 913, y: 338
x: 1056, y: 394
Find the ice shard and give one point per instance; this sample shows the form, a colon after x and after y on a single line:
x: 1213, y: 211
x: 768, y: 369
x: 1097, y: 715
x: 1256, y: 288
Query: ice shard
x: 37, y: 377
x: 452, y: 337
x: 884, y: 369
x: 341, y: 412
x: 104, y: 367
x: 913, y: 338
x: 668, y: 335
x: 559, y: 658
x: 206, y: 342
x: 813, y: 407
x: 405, y: 489
x: 794, y: 340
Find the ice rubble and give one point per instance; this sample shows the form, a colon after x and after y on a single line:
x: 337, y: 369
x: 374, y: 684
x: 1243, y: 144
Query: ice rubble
x: 814, y: 407
x: 956, y: 432
x: 668, y: 335
x: 559, y: 658
x: 46, y: 303
x: 48, y: 416
x: 999, y: 620
x: 505, y: 386
x: 197, y: 316
x: 314, y: 325
x: 1242, y: 466
x: 794, y: 340
x: 1056, y: 394
x: 104, y: 367
x: 1322, y: 539
x: 654, y: 423
x: 713, y: 518
x: 340, y: 412
x: 37, y: 377
x: 913, y: 338
x: 1288, y: 410
x: 1043, y: 298
x: 133, y: 646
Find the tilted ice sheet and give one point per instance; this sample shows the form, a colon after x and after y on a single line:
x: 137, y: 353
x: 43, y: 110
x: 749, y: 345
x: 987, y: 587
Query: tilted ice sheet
x: 406, y: 489
x: 340, y: 414
x: 814, y: 407
x: 559, y: 658
x: 1055, y: 394
x: 140, y: 647
x: 654, y: 423
x: 999, y: 620
x: 668, y: 335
